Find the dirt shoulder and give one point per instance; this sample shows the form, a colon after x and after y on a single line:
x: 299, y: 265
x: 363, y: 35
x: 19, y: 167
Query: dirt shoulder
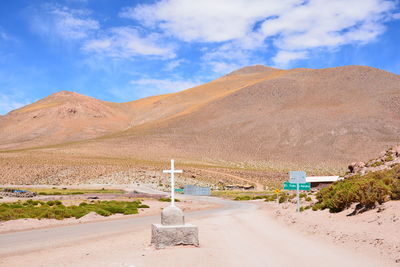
x: 376, y: 232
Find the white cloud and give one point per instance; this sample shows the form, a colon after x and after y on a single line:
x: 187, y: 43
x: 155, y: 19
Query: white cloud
x: 207, y: 20
x: 230, y: 56
x: 56, y: 21
x: 294, y: 27
x: 173, y: 64
x: 7, y: 104
x: 163, y: 86
x: 327, y: 23
x: 283, y: 58
x: 3, y: 35
x: 223, y: 67
x: 127, y: 42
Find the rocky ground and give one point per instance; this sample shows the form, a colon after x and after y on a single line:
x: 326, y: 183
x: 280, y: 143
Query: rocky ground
x: 386, y: 160
x: 27, y: 168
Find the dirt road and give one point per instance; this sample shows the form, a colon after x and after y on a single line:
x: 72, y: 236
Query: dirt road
x: 238, y: 234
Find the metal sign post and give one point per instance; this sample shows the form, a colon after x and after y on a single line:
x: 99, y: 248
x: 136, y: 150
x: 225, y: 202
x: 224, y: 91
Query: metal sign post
x: 298, y: 197
x: 297, y: 177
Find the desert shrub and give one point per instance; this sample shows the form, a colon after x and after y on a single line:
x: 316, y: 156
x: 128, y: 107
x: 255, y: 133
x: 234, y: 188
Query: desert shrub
x: 55, y: 209
x: 283, y: 198
x: 308, y: 199
x: 389, y: 158
x: 271, y: 197
x: 51, y: 203
x: 267, y: 198
x: 243, y: 198
x: 302, y: 195
x: 376, y: 164
x: 368, y: 190
x: 167, y: 199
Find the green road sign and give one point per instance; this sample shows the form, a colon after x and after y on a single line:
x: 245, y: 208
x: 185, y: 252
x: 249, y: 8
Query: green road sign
x: 178, y: 190
x: 293, y: 186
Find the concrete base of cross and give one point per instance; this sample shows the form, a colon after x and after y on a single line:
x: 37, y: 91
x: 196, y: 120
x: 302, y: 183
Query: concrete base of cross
x: 172, y: 235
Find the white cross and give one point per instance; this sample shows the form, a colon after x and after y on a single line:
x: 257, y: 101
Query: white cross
x: 172, y: 171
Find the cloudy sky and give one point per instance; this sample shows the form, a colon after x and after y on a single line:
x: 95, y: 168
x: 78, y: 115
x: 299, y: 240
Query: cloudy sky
x: 122, y: 50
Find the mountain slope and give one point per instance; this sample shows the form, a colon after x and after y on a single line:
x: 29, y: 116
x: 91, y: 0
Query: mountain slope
x: 58, y: 118
x: 307, y: 116
x: 300, y: 115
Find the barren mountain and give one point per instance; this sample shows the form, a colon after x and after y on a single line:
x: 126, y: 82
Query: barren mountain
x: 331, y: 116
x: 59, y: 118
x: 255, y: 114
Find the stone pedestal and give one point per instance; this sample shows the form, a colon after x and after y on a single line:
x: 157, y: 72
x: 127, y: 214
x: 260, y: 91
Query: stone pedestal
x: 173, y: 231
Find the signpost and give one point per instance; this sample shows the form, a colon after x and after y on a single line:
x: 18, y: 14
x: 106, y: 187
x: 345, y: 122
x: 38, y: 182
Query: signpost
x: 297, y: 181
x: 293, y: 186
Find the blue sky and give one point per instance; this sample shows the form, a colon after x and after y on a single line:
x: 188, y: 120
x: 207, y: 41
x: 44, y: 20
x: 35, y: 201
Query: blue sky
x: 122, y: 50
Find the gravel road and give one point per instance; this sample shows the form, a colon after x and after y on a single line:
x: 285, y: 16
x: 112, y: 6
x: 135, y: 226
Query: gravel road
x: 236, y: 234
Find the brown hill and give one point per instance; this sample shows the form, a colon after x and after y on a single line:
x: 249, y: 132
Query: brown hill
x: 255, y: 114
x: 59, y: 118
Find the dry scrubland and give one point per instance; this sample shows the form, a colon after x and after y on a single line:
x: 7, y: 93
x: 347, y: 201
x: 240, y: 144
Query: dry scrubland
x: 35, y: 168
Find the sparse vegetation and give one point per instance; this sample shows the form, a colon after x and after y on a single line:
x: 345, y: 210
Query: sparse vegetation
x: 65, y: 191
x: 167, y: 199
x: 232, y: 194
x: 56, y: 209
x: 270, y: 197
x: 368, y: 191
x: 376, y: 164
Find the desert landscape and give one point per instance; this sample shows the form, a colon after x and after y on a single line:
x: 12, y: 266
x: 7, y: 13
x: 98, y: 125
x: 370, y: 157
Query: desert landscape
x: 200, y: 133
x: 104, y: 167
x: 253, y: 119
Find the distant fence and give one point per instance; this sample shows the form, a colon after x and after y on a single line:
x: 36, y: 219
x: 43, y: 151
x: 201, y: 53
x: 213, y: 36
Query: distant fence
x: 197, y: 190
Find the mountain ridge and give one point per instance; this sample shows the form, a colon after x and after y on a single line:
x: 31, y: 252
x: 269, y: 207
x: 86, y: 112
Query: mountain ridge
x: 255, y: 113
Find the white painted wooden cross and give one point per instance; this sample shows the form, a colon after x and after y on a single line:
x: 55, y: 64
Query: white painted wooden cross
x: 172, y: 171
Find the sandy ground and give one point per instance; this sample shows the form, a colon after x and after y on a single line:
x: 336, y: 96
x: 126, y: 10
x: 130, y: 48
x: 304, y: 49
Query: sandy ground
x: 375, y: 232
x: 156, y: 206
x: 241, y: 234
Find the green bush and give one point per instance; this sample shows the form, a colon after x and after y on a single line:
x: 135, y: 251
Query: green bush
x: 243, y: 198
x: 267, y: 198
x: 270, y: 197
x: 376, y: 164
x: 368, y: 190
x: 165, y: 199
x: 56, y: 210
x: 283, y: 198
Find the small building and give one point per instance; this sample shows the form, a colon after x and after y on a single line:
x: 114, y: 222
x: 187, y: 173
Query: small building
x: 321, y: 181
x: 195, y: 190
